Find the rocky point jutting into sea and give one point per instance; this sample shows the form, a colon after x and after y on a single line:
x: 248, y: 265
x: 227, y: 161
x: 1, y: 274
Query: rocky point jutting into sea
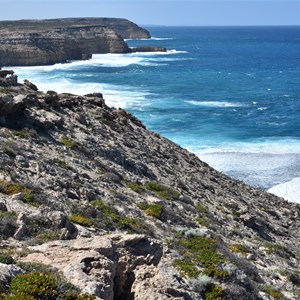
x: 46, y: 42
x: 95, y: 206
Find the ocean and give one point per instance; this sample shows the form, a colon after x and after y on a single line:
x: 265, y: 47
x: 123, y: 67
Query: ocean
x: 231, y: 95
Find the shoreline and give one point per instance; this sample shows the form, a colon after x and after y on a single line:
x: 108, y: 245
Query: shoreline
x: 115, y: 95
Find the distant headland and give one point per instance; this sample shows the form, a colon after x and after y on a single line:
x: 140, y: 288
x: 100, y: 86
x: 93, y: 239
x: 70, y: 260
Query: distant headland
x: 46, y: 42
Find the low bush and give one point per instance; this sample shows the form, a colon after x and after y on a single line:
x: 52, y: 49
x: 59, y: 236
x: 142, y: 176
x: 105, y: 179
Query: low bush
x: 67, y: 142
x: 200, y: 251
x: 136, y: 187
x: 186, y: 268
x: 277, y: 295
x: 81, y: 220
x: 6, y: 259
x: 163, y: 191
x: 25, y: 133
x: 213, y: 293
x: 10, y: 188
x: 41, y: 282
x: 112, y: 218
x: 153, y: 210
x: 239, y: 248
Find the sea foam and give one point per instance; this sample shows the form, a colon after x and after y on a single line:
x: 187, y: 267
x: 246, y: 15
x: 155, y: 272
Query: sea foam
x: 215, y: 103
x: 288, y: 190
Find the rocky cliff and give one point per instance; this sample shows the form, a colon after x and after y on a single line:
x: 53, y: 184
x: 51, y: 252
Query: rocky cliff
x: 45, y: 47
x: 46, y: 42
x: 123, y: 213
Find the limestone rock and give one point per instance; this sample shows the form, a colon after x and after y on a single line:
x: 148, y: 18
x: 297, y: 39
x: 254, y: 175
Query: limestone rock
x: 7, y: 272
x: 149, y: 49
x: 104, y: 265
x: 30, y: 85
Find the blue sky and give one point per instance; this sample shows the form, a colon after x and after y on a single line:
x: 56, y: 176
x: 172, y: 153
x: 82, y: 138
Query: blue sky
x: 161, y: 12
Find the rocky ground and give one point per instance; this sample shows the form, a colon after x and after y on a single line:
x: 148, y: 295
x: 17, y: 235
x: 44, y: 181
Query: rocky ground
x: 124, y: 213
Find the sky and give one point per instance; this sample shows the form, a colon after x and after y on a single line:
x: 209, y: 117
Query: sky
x: 161, y: 12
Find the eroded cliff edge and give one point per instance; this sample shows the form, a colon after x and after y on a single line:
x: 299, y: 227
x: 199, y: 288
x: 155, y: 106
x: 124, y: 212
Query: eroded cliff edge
x: 124, y: 213
x: 46, y: 42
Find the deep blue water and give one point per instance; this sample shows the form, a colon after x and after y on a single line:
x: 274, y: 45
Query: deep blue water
x: 230, y: 94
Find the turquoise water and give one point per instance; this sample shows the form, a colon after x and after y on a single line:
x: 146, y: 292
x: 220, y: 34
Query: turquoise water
x: 229, y: 94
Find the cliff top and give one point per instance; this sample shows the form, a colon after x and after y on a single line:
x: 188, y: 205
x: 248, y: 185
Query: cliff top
x: 123, y: 27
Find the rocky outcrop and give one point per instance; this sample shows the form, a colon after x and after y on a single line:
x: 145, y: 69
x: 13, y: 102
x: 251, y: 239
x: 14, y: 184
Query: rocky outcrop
x: 149, y: 49
x: 128, y: 213
x: 45, y: 47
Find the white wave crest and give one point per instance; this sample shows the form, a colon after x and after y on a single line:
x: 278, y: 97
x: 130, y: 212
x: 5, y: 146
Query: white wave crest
x: 152, y: 38
x: 258, y: 146
x: 109, y: 60
x: 255, y: 164
x: 215, y: 103
x: 288, y: 190
x: 119, y: 96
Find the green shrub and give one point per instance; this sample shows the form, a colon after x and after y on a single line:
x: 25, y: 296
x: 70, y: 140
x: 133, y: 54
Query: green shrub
x: 112, y: 217
x: 129, y: 223
x: 202, y: 221
x: 202, y: 251
x: 46, y: 236
x: 277, y: 295
x: 202, y: 217
x: 49, y: 285
x: 67, y: 142
x: 81, y: 220
x: 25, y: 133
x: 239, y: 248
x: 10, y: 188
x: 201, y: 208
x: 105, y: 209
x: 136, y: 187
x: 153, y: 210
x: 6, y: 259
x: 213, y: 293
x: 37, y: 285
x: 186, y: 268
x: 163, y: 191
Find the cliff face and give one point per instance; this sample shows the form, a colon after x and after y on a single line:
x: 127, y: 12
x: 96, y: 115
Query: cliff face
x: 127, y: 214
x: 38, y: 47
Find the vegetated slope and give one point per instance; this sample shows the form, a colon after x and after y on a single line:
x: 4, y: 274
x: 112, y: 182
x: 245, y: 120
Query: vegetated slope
x: 127, y: 214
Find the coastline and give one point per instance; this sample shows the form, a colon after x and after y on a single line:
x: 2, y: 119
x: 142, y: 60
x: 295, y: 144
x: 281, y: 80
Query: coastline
x: 146, y: 102
x: 254, y: 166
